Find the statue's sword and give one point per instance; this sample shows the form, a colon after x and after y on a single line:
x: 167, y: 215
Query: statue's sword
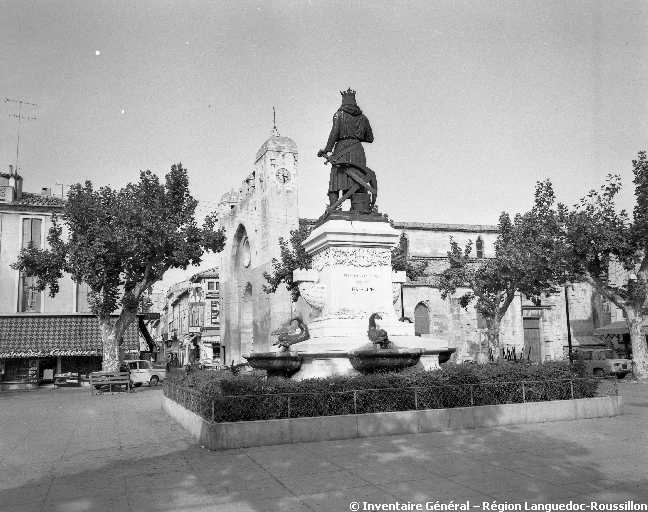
x: 368, y: 181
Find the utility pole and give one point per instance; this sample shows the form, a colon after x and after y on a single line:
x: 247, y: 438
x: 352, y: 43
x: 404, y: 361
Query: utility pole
x: 20, y: 116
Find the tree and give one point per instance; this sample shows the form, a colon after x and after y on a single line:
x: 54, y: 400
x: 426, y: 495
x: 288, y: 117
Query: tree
x: 401, y: 262
x: 294, y: 257
x: 596, y: 239
x: 120, y: 242
x: 525, y: 261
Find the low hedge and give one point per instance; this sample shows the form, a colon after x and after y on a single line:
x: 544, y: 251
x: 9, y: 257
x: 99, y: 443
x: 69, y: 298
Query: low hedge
x: 221, y: 396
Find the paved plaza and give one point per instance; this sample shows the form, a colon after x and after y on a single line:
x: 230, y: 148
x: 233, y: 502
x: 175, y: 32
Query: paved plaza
x: 66, y: 450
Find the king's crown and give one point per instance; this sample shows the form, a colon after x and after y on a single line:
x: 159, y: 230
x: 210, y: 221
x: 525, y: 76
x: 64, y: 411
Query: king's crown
x: 348, y: 92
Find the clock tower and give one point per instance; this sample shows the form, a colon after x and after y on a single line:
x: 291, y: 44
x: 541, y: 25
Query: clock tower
x: 263, y: 210
x: 275, y: 170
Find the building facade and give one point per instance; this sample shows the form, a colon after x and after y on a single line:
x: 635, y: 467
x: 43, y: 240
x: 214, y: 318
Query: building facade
x: 204, y: 316
x: 41, y: 336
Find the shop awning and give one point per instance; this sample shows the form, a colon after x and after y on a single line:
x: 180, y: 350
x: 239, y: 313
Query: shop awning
x: 620, y: 327
x: 56, y: 335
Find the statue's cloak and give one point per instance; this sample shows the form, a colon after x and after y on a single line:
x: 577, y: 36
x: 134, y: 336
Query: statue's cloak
x: 350, y: 126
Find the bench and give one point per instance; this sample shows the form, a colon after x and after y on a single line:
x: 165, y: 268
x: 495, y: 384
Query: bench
x: 99, y: 381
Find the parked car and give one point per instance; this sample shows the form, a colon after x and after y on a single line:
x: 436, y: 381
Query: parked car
x: 210, y: 365
x: 604, y: 361
x: 143, y: 371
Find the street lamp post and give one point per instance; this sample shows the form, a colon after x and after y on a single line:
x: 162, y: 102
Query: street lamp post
x: 569, y: 338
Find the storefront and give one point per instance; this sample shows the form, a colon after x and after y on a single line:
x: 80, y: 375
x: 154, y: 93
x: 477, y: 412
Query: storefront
x: 210, y: 345
x: 35, y: 349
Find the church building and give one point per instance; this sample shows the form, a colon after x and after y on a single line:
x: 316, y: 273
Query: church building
x: 265, y: 208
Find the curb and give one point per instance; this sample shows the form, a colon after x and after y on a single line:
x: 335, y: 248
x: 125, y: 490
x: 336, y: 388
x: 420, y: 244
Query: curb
x: 246, y: 434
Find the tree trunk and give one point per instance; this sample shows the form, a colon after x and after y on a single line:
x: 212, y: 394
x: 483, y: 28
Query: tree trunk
x: 111, y: 336
x: 638, y: 340
x: 110, y: 345
x: 493, y: 338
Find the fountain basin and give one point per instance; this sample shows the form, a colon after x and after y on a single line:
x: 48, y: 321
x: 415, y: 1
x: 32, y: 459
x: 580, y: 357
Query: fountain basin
x: 388, y: 359
x: 277, y: 364
x: 444, y: 355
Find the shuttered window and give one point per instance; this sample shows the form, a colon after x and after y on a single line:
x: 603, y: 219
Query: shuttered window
x: 32, y: 233
x: 83, y: 289
x: 29, y: 298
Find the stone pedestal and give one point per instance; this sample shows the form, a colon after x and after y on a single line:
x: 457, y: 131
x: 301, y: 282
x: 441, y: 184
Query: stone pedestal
x: 350, y: 280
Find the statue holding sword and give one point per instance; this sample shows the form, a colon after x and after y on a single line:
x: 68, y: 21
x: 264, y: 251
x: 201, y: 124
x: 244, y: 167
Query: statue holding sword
x: 349, y: 173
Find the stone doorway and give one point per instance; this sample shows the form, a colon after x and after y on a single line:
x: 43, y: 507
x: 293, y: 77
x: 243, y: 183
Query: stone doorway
x: 421, y: 319
x: 532, y: 339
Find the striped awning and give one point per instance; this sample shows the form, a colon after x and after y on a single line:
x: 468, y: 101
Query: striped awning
x: 56, y: 335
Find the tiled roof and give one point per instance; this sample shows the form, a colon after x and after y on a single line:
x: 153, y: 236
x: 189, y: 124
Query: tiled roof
x: 445, y: 227
x: 39, y: 200
x: 35, y: 203
x: 56, y: 335
x: 210, y: 273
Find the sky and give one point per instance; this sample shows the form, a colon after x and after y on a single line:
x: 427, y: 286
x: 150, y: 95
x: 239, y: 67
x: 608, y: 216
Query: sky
x: 471, y: 102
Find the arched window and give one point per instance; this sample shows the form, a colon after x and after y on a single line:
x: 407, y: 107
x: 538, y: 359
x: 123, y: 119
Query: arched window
x: 479, y: 247
x: 421, y: 319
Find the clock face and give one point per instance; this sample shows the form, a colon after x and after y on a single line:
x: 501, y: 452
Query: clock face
x: 283, y: 175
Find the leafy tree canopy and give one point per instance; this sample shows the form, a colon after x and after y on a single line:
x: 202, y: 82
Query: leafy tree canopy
x: 603, y: 246
x: 525, y: 261
x: 120, y: 242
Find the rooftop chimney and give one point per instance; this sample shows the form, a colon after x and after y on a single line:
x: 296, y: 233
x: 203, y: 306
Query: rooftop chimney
x: 10, y: 170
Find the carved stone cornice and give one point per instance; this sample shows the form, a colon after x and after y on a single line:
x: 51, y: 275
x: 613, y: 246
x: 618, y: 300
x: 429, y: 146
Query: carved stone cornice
x: 352, y: 256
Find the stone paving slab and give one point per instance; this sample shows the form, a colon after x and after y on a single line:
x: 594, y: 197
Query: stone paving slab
x: 64, y: 450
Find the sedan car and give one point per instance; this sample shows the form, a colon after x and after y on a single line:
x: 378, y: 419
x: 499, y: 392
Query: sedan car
x: 604, y: 361
x: 143, y: 371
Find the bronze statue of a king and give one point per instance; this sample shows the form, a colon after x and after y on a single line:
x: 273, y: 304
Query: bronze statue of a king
x: 349, y: 173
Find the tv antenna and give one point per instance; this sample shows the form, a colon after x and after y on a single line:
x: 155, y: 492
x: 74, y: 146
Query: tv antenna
x: 274, y: 132
x: 20, y: 116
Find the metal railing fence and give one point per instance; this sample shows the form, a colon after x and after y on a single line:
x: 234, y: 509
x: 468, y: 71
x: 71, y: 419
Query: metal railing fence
x: 362, y: 401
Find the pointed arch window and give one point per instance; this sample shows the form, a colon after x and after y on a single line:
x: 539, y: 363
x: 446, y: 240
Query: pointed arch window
x: 479, y: 247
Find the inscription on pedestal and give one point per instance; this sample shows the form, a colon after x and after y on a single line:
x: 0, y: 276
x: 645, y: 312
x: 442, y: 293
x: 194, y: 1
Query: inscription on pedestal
x: 361, y: 282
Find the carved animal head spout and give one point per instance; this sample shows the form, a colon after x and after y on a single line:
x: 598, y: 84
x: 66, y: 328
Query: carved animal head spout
x: 290, y: 335
x: 377, y: 336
